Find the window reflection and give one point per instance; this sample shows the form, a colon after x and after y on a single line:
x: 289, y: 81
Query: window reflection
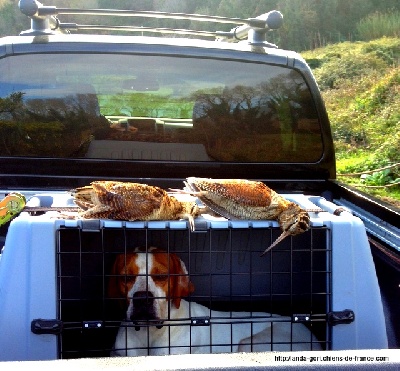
x: 52, y: 127
x: 156, y: 108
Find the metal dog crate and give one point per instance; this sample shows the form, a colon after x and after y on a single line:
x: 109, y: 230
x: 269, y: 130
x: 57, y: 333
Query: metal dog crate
x: 54, y: 275
x: 223, y: 264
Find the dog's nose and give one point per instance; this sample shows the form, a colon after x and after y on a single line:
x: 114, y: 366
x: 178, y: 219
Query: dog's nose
x: 143, y: 297
x: 142, y: 306
x: 143, y: 310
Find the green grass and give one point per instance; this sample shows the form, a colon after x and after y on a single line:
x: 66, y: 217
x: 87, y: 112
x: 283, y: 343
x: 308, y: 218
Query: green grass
x: 360, y: 85
x: 379, y: 24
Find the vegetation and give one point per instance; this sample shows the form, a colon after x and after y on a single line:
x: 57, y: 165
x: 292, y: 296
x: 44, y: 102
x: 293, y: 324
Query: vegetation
x: 360, y: 83
x: 65, y: 130
x: 377, y: 25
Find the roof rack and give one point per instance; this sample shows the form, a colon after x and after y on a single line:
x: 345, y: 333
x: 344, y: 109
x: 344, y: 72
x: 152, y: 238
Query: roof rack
x: 44, y: 21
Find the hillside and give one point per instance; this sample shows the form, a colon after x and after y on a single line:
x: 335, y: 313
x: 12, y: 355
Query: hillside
x: 360, y: 82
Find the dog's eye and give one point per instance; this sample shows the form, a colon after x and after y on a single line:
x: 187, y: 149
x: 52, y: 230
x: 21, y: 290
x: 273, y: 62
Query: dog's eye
x: 129, y: 279
x: 160, y: 277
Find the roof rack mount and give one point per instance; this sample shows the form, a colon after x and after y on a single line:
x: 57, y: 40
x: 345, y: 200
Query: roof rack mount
x: 44, y: 21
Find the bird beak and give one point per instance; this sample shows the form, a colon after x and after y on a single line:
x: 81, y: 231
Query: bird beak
x: 191, y: 222
x: 279, y: 239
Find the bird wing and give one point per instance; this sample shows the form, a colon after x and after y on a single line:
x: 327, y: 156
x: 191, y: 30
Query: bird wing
x: 243, y: 192
x: 130, y: 201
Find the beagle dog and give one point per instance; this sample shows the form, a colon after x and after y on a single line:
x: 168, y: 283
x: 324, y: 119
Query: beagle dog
x: 150, y: 286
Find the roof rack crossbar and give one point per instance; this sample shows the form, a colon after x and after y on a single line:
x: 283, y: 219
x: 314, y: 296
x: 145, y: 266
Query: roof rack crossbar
x: 154, y: 14
x: 44, y: 21
x: 74, y: 27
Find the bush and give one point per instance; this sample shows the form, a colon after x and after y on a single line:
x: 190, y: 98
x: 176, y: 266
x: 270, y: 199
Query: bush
x: 388, y: 49
x: 389, y: 150
x: 380, y: 178
x: 346, y: 67
x: 381, y: 93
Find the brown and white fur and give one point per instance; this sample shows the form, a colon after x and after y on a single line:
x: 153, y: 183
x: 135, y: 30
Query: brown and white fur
x: 158, y: 321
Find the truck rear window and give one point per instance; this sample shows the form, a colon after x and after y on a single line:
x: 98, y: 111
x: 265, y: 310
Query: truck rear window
x: 141, y: 107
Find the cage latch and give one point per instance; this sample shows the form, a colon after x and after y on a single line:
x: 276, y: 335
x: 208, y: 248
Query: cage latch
x: 88, y: 325
x: 91, y: 225
x: 200, y: 321
x: 301, y: 318
x: 46, y: 326
x: 340, y: 317
x: 200, y: 226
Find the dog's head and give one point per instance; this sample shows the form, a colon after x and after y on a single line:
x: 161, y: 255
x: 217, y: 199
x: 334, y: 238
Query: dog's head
x: 148, y: 282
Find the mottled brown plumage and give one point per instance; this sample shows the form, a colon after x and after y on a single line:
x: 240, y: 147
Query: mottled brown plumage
x: 245, y: 199
x: 131, y: 201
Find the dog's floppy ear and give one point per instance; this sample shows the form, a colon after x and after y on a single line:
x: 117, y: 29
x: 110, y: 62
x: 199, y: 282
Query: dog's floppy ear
x: 114, y: 289
x: 180, y: 285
